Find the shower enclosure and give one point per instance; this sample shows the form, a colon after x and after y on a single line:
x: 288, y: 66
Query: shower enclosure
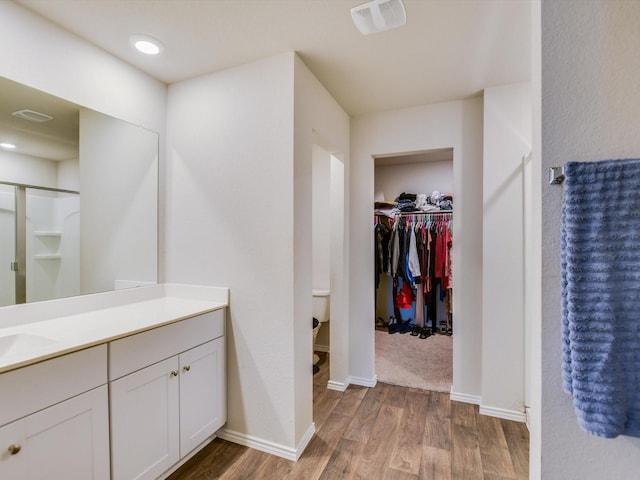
x: 39, y: 243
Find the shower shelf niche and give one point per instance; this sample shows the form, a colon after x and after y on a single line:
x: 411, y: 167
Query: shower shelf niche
x: 49, y: 244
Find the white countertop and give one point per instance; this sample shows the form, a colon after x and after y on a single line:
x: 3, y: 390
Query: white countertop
x: 53, y: 328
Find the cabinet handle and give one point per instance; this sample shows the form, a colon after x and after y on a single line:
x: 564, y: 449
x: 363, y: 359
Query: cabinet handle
x: 14, y: 448
x: 186, y: 368
x: 174, y: 373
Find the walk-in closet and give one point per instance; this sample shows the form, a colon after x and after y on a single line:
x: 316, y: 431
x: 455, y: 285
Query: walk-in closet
x: 413, y: 230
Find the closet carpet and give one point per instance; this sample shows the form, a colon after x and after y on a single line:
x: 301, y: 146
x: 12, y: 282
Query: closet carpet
x: 408, y: 361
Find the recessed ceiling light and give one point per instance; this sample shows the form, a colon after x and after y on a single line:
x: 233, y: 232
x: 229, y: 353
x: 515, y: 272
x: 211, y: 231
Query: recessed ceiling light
x: 9, y: 146
x: 146, y: 44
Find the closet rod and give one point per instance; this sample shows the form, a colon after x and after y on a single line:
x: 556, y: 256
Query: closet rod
x: 439, y: 212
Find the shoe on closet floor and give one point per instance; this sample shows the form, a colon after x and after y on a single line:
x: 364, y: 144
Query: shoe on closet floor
x: 425, y: 332
x: 392, y: 326
x: 405, y: 327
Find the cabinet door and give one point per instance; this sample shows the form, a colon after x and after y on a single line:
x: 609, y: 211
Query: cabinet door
x: 69, y: 440
x: 13, y: 464
x: 203, y: 408
x: 144, y: 422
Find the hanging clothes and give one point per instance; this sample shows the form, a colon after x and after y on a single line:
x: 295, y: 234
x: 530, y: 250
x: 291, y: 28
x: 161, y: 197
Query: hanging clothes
x: 420, y: 261
x: 382, y: 231
x: 405, y: 297
x: 412, y: 258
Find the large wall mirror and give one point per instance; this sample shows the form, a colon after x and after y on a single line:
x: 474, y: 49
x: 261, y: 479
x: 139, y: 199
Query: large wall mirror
x: 78, y: 199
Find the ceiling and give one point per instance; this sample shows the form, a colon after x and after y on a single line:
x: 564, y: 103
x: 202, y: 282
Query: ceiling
x: 56, y: 139
x: 448, y: 50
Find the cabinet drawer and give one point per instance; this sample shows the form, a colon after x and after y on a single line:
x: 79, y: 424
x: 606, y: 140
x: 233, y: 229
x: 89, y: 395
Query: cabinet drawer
x: 26, y: 390
x: 138, y: 351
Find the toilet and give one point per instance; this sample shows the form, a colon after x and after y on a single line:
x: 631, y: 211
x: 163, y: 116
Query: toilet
x: 321, y: 312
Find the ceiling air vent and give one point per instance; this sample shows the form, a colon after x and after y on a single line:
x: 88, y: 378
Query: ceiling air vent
x: 32, y: 116
x: 378, y: 16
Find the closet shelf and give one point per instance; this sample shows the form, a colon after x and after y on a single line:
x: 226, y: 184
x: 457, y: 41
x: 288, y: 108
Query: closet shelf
x: 49, y: 256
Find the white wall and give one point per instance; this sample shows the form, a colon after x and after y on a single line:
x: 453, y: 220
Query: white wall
x: 239, y: 215
x: 319, y: 120
x: 424, y: 177
x: 590, y: 105
x: 507, y: 141
x: 69, y: 174
x: 28, y: 170
x: 118, y: 202
x: 452, y: 124
x: 230, y: 222
x: 321, y: 221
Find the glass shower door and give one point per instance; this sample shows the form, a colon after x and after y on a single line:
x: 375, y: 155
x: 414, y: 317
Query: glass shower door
x: 39, y: 243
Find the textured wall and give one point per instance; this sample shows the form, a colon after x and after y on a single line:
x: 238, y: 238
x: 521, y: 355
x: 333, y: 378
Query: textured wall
x: 507, y: 140
x: 590, y: 105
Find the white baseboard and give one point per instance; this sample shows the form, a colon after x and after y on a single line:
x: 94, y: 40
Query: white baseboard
x: 338, y: 386
x: 267, y: 446
x: 321, y: 348
x: 304, y: 441
x: 360, y: 381
x: 514, y: 415
x: 465, y: 398
x: 364, y: 382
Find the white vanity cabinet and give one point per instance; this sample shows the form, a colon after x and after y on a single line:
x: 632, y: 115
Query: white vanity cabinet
x: 60, y: 421
x: 168, y: 394
x: 115, y: 385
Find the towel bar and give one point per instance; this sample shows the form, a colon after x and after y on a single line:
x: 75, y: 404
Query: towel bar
x: 556, y: 175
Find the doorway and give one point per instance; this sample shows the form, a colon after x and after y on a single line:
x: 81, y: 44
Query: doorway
x: 414, y: 316
x: 328, y: 260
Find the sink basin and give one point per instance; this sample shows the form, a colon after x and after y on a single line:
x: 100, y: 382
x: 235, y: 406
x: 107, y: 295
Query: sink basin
x: 22, y: 343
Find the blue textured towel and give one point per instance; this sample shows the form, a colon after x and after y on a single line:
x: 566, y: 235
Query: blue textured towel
x: 600, y: 262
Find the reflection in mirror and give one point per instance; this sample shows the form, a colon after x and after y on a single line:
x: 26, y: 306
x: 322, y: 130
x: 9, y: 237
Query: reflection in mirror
x: 78, y: 199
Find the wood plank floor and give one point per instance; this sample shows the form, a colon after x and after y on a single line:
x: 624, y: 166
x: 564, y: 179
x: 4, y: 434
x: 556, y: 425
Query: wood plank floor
x: 386, y: 432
